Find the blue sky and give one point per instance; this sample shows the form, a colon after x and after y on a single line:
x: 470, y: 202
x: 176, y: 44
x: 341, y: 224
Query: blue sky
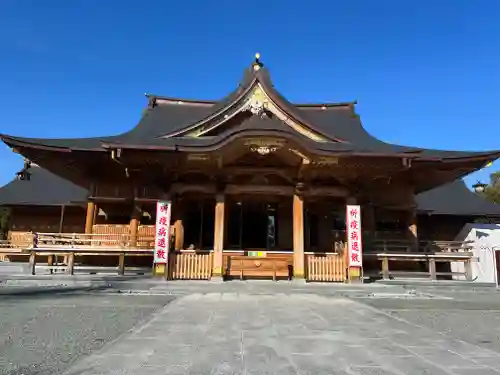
x: 425, y: 73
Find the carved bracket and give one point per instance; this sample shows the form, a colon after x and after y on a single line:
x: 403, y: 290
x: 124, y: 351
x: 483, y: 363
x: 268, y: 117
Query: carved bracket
x: 300, y: 188
x: 264, y: 146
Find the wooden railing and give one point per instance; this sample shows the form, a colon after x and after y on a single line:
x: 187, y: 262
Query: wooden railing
x: 19, y: 239
x: 427, y: 246
x: 69, y: 255
x: 145, y: 233
x: 326, y: 267
x: 5, y: 244
x: 80, y: 240
x: 190, y: 265
x: 425, y: 259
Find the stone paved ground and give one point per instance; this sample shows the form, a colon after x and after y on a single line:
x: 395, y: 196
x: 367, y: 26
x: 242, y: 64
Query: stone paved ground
x: 239, y: 333
x: 45, y: 335
x: 472, y: 316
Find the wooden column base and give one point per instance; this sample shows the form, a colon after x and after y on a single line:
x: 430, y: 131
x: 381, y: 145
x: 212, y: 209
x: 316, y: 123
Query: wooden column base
x: 159, y: 269
x: 217, y: 272
x: 355, y: 275
x: 298, y: 273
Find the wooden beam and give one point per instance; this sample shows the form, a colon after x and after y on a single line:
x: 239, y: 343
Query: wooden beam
x: 181, y: 188
x: 232, y: 189
x: 329, y: 191
x: 281, y: 171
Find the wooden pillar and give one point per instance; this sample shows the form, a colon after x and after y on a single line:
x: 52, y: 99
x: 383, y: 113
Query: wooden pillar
x: 412, y: 229
x: 96, y: 212
x: 298, y: 236
x: 178, y: 225
x: 89, y: 220
x: 135, y: 220
x: 218, y: 236
x: 61, y: 219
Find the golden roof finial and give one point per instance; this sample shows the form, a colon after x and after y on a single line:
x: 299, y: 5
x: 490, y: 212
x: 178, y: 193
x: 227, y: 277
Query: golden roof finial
x: 257, y: 64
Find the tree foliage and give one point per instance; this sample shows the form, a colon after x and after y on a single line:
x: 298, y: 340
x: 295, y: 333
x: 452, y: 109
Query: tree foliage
x: 492, y: 191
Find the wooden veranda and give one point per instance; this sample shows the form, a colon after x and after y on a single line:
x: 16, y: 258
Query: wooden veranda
x: 111, y: 248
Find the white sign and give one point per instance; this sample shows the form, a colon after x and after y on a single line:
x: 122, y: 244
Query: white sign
x: 354, y: 236
x: 162, y: 235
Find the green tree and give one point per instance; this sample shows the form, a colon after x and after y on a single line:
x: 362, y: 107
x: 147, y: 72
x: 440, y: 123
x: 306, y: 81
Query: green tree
x: 492, y: 191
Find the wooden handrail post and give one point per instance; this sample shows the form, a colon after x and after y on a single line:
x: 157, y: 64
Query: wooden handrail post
x: 468, y: 270
x: 121, y: 264
x: 71, y: 264
x: 50, y: 262
x: 32, y: 262
x: 432, y: 268
x: 385, y: 268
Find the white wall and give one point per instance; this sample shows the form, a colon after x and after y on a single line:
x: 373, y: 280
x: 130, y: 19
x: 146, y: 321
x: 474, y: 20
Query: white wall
x: 485, y: 238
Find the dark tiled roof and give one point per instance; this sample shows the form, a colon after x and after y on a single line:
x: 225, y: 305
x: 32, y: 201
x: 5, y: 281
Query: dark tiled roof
x: 42, y: 189
x: 455, y: 199
x: 45, y: 188
x: 165, y: 117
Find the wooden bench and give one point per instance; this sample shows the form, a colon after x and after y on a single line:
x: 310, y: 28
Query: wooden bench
x: 258, y: 267
x: 70, y: 254
x: 429, y: 258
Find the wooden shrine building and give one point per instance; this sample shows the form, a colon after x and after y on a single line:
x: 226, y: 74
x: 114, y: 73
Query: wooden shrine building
x: 252, y: 172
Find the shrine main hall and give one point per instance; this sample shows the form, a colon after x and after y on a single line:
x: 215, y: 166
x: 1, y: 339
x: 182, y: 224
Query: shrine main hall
x: 249, y: 176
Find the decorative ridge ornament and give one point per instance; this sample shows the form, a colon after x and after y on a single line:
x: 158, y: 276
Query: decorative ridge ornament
x: 256, y: 107
x: 258, y: 101
x: 257, y: 64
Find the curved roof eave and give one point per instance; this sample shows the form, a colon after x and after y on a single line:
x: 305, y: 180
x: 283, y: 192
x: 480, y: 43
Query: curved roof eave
x: 56, y: 144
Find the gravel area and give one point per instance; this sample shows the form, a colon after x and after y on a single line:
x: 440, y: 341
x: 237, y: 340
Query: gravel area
x: 46, y: 334
x: 470, y: 317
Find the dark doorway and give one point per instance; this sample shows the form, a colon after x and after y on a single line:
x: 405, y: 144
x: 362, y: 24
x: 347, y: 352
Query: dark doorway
x: 199, y: 219
x: 252, y: 225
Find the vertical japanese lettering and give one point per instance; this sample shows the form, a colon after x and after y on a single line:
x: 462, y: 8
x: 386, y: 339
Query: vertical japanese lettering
x: 162, y: 233
x: 354, y: 235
